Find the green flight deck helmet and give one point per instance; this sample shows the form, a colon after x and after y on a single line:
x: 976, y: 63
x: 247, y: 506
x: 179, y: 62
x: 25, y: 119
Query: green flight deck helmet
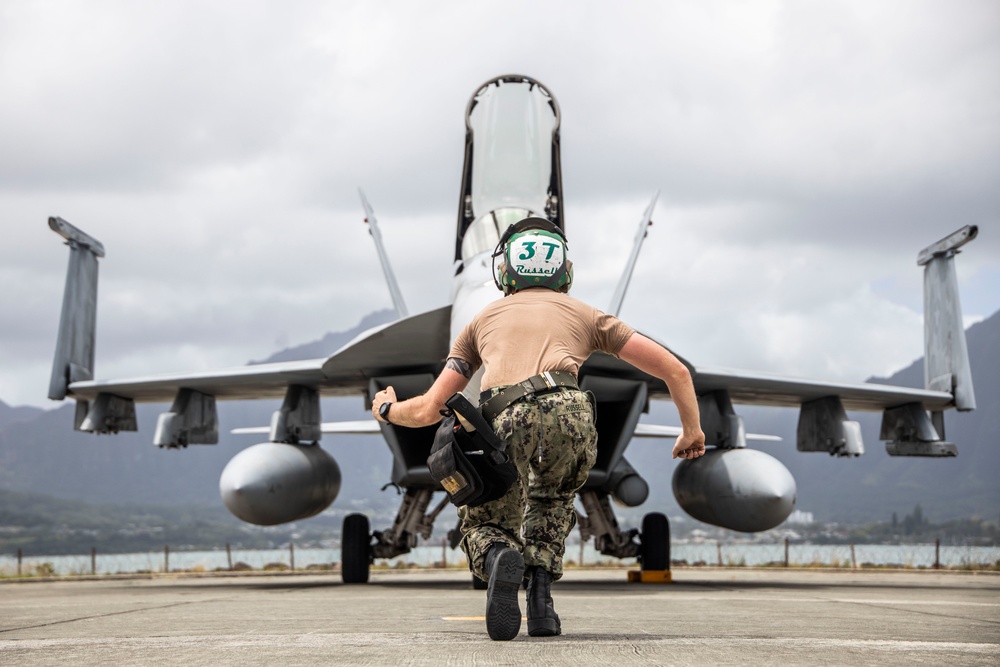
x: 533, y: 253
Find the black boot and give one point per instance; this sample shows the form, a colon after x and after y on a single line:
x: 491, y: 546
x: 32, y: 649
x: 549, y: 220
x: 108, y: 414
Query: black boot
x: 505, y: 568
x: 543, y: 621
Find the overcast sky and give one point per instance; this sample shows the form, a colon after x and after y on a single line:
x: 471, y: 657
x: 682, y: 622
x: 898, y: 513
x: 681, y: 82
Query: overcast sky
x: 806, y: 151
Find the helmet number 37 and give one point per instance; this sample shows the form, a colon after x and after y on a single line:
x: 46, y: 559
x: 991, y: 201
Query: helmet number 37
x: 544, y: 260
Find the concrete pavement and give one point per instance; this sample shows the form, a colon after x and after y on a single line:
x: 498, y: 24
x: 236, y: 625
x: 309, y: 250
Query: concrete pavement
x: 708, y: 616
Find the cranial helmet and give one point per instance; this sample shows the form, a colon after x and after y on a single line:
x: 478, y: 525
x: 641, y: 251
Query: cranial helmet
x: 533, y: 254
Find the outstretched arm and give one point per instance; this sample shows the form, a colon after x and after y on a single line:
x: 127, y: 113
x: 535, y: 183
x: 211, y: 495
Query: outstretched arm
x: 426, y: 409
x: 651, y: 358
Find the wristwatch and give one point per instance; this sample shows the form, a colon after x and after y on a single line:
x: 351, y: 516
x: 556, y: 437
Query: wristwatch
x: 383, y: 411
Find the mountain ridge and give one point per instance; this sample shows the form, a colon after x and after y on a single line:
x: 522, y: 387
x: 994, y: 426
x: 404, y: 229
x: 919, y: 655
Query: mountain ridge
x: 40, y: 453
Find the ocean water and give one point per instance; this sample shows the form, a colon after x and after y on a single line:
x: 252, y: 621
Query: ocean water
x: 706, y: 553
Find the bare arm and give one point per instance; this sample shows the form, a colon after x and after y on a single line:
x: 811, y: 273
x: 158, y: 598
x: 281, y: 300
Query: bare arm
x: 651, y: 358
x: 426, y: 409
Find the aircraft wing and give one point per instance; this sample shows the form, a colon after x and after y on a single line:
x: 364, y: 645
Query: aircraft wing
x: 757, y: 388
x: 412, y: 345
x: 776, y: 390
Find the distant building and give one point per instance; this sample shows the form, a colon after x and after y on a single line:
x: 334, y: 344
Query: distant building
x: 800, y: 517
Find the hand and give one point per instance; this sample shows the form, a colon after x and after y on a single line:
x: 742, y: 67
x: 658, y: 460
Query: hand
x: 386, y: 395
x: 689, y: 446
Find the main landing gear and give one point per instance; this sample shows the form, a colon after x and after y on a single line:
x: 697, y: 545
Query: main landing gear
x: 651, y: 546
x: 355, y: 549
x: 360, y: 547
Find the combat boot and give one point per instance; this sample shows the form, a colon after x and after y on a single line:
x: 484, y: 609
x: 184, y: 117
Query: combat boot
x: 505, y: 568
x: 543, y: 621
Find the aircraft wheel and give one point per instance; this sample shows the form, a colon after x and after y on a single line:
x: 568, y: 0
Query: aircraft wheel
x: 478, y: 584
x: 654, y: 541
x: 356, y: 550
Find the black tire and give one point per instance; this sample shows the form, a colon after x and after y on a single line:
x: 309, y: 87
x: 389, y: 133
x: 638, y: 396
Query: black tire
x: 478, y: 584
x: 654, y: 542
x: 355, y: 550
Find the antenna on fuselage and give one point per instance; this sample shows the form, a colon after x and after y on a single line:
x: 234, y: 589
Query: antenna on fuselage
x: 390, y: 277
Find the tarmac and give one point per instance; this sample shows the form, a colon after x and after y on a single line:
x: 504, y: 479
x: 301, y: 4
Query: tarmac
x: 706, y: 616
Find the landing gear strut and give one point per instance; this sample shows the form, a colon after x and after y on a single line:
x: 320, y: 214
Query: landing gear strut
x: 651, y: 547
x: 358, y: 550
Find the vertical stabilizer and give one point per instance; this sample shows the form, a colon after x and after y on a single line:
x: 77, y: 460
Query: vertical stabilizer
x: 390, y: 277
x: 640, y: 236
x: 946, y: 357
x: 74, y: 359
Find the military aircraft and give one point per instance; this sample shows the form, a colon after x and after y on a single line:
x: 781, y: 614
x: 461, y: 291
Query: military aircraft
x: 511, y: 171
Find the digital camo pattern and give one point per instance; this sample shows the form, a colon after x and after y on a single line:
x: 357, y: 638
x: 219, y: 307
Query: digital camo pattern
x: 552, y: 441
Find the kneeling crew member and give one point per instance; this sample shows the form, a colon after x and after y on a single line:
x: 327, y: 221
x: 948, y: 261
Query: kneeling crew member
x: 531, y: 345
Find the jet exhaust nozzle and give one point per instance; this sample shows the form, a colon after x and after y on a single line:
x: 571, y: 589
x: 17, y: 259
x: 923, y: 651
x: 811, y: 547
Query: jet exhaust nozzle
x: 274, y: 483
x: 739, y: 489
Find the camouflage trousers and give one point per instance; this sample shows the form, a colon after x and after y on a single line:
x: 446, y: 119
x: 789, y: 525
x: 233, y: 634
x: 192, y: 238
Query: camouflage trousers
x: 552, y: 441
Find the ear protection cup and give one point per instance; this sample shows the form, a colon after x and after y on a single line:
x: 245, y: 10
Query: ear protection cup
x: 569, y: 277
x: 503, y: 281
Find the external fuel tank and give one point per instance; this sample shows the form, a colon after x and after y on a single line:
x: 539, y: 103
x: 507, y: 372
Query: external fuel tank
x: 274, y: 483
x: 739, y: 489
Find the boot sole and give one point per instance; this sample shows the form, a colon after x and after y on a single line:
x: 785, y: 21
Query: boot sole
x: 503, y: 615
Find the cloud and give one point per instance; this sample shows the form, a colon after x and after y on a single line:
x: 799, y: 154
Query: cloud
x: 804, y: 153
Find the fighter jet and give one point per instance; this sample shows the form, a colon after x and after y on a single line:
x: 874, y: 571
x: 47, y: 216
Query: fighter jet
x: 511, y: 171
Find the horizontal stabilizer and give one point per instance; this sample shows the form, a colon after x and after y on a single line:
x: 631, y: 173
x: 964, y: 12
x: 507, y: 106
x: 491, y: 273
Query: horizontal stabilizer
x: 658, y: 431
x: 365, y: 427
x: 369, y: 426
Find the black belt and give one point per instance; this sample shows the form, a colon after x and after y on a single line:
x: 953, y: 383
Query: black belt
x: 542, y: 383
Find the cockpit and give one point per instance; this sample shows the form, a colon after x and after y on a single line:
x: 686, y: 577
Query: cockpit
x: 511, y: 162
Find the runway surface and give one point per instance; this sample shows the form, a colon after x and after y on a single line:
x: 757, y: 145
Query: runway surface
x: 707, y: 616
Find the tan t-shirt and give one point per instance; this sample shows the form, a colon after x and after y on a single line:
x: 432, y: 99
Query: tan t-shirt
x: 536, y: 330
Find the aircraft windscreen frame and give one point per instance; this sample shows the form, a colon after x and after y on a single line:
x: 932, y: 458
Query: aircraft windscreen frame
x: 512, y: 124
